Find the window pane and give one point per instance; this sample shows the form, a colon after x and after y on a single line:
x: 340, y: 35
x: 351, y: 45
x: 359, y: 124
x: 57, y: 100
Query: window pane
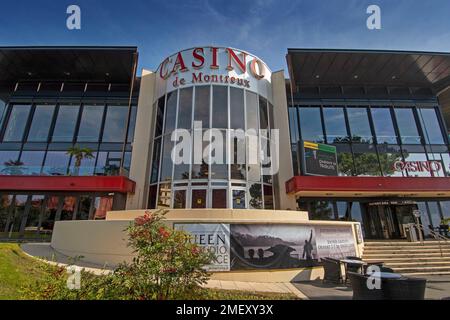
x: 237, y: 115
x: 345, y: 160
x: 179, y: 199
x: 366, y: 161
x: 255, y: 192
x: 343, y: 211
x: 201, y: 109
x: 359, y: 125
x: 389, y: 155
x: 435, y: 215
x: 166, y: 162
x: 407, y: 126
x: 185, y: 109
x: 252, y: 110
x: 238, y: 149
x: 220, y: 107
x: 200, y: 170
x: 268, y: 197
x: 65, y: 123
x: 17, y: 122
x: 132, y: 124
x: 40, y: 124
x: 198, y: 200
x: 32, y: 161
x: 416, y: 160
x: 219, y: 164
x: 430, y: 126
x: 56, y: 163
x: 321, y: 210
x: 219, y: 198
x: 155, y: 160
x: 384, y: 127
x: 91, y: 122
x: 311, y: 124
x: 436, y: 165
x: 445, y: 206
x: 102, y: 205
x: 238, y: 199
x: 115, y: 123
x: 171, y: 111
x: 293, y: 125
x: 2, y: 114
x: 263, y: 117
x: 335, y: 127
x: 159, y: 117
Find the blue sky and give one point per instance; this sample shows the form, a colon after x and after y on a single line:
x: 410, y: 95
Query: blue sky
x: 265, y: 28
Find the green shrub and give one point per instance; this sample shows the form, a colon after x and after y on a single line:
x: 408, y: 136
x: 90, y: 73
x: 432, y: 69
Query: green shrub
x: 167, y: 265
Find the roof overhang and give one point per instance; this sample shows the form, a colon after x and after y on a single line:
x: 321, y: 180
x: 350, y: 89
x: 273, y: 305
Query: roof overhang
x: 411, y: 187
x: 94, y: 64
x: 330, y: 67
x: 111, y: 184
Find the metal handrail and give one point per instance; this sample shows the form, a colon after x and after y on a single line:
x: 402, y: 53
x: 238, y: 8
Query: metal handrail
x: 436, y: 236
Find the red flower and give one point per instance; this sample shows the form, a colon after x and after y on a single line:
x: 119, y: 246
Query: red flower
x: 163, y: 232
x: 195, y: 250
x: 139, y: 221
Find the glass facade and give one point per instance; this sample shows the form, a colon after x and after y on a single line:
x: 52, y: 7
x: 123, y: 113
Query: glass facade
x: 211, y: 181
x: 370, y: 139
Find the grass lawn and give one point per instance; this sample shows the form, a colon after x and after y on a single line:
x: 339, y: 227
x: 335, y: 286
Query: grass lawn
x: 17, y: 269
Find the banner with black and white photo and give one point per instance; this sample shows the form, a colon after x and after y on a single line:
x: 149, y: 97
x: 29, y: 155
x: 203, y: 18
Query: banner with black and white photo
x: 263, y: 246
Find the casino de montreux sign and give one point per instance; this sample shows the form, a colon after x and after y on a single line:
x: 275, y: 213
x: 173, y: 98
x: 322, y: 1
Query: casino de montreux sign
x: 203, y: 65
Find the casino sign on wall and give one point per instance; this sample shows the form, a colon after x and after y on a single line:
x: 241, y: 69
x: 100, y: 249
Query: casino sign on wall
x: 214, y: 65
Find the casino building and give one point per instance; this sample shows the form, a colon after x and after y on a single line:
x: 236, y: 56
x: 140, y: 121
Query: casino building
x: 362, y: 135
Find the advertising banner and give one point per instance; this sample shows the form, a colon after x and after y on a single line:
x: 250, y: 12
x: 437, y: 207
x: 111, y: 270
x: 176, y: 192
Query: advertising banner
x: 214, y: 237
x: 262, y: 246
x: 320, y: 159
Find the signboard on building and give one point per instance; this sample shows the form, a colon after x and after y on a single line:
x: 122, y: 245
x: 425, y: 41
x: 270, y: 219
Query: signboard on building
x: 319, y: 159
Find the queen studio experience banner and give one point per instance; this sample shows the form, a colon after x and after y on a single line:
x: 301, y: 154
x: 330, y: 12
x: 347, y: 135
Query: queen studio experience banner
x: 262, y: 246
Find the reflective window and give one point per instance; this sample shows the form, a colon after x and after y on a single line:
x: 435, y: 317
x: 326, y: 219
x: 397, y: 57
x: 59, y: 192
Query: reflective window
x: 311, y: 124
x: 416, y: 166
x: 343, y: 210
x: 238, y: 199
x: 2, y: 114
x: 407, y: 126
x: 220, y: 107
x: 185, y: 109
x: 200, y: 170
x: 293, y: 125
x: 201, y: 108
x: 40, y: 125
x: 366, y: 161
x: 359, y: 125
x: 219, y: 198
x: 268, y: 197
x: 335, y: 127
x: 179, y: 199
x: 56, y: 163
x: 435, y: 215
x: 17, y: 123
x: 198, y: 200
x: 68, y: 209
x: 446, y: 163
x: 237, y: 114
x: 437, y: 167
x: 159, y: 117
x: 91, y: 122
x: 263, y: 116
x: 388, y: 156
x: 84, y: 208
x: 384, y: 127
x: 101, y: 206
x: 238, y: 157
x: 445, y: 206
x: 9, y: 163
x: 345, y: 160
x: 65, y: 123
x: 255, y: 195
x: 252, y: 110
x: 430, y: 125
x: 155, y: 160
x: 132, y: 124
x: 321, y: 210
x: 32, y: 161
x: 166, y: 161
x: 171, y: 111
x: 219, y: 164
x: 115, y: 123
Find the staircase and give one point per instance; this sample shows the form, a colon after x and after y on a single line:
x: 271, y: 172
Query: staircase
x: 410, y: 258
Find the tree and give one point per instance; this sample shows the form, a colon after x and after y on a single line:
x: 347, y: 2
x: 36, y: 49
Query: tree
x: 79, y: 154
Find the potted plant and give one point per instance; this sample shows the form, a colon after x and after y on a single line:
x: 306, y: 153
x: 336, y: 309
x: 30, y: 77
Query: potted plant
x: 79, y: 154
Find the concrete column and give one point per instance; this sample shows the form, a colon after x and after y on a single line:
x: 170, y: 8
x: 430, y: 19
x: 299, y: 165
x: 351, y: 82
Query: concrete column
x: 143, y: 138
x: 281, y: 122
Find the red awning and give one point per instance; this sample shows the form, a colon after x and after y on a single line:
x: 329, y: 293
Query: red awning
x: 67, y: 183
x: 315, y: 186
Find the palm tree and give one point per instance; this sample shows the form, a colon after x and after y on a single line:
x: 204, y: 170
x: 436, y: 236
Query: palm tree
x: 79, y: 154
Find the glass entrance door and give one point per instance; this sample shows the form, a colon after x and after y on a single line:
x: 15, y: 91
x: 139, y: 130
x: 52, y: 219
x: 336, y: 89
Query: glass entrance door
x: 388, y: 221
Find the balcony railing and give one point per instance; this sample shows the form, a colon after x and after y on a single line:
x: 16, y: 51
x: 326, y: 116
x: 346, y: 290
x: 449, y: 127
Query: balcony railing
x: 63, y: 171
